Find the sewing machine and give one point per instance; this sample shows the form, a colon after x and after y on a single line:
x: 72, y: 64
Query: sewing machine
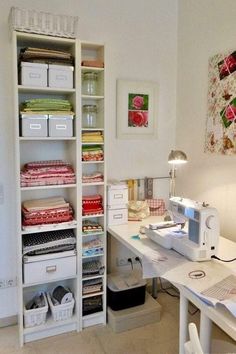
x: 200, y: 241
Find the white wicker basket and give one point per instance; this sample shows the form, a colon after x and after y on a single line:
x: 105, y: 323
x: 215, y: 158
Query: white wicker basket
x: 36, y: 317
x: 32, y: 21
x: 61, y: 312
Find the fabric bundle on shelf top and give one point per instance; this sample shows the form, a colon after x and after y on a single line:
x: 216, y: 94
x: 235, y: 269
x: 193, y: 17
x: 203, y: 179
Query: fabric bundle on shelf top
x: 92, y: 153
x: 92, y: 137
x: 46, y: 105
x: 47, y: 56
x: 46, y: 211
x: 42, y: 173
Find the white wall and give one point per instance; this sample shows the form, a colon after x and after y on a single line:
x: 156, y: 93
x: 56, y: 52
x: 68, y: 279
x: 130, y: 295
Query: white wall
x: 141, y: 44
x: 205, y: 28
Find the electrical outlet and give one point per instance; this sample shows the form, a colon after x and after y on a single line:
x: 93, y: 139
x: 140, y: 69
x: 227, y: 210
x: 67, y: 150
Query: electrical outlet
x: 7, y: 283
x: 120, y: 262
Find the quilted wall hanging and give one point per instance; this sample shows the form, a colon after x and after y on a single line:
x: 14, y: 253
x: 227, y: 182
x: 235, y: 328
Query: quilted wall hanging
x: 221, y: 104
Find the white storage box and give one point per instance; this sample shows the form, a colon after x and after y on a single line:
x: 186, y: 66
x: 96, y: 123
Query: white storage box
x: 60, y: 76
x: 34, y: 125
x: 117, y: 216
x: 33, y: 74
x: 61, y: 126
x: 138, y: 316
x: 36, y: 317
x: 49, y: 267
x: 61, y: 312
x: 117, y: 195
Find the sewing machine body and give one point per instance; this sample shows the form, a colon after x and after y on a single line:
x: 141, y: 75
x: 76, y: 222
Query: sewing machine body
x: 200, y: 241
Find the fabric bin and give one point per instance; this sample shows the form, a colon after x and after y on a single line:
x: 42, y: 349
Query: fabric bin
x: 33, y: 74
x: 49, y: 267
x: 157, y: 206
x: 60, y: 126
x: 61, y: 312
x: 60, y: 76
x: 125, y: 291
x: 117, y: 216
x: 36, y: 317
x: 34, y: 125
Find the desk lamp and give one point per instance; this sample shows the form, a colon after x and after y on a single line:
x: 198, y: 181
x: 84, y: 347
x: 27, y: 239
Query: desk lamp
x: 176, y: 157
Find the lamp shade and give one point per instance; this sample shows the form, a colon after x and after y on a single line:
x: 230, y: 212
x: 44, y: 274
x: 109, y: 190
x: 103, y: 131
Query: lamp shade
x: 177, y: 157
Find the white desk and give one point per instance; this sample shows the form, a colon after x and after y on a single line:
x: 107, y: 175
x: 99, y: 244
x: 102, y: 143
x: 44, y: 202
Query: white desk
x: 222, y: 317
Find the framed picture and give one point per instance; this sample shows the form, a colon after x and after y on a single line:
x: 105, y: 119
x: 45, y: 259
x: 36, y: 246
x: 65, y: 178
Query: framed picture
x: 136, y: 110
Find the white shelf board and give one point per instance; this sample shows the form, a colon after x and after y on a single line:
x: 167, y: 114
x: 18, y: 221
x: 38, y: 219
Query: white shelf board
x: 47, y: 90
x: 92, y: 97
x: 93, y: 255
x: 93, y: 184
x: 48, y: 281
x: 50, y: 323
x: 51, y: 227
x: 92, y: 295
x: 91, y: 68
x: 92, y: 129
x: 54, y: 186
x: 93, y: 277
x: 89, y: 162
x: 47, y: 138
x: 92, y: 216
x: 93, y: 234
x: 93, y: 143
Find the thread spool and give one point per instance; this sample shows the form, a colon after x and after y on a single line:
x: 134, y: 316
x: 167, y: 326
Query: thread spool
x: 62, y: 295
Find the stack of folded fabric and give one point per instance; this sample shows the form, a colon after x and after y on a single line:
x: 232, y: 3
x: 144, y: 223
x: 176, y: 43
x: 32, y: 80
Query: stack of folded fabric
x: 92, y: 153
x: 92, y: 268
x: 93, y: 63
x: 46, y: 211
x: 92, y: 177
x: 92, y: 248
x: 46, y: 105
x: 47, y: 56
x: 92, y: 286
x: 89, y: 226
x: 43, y: 173
x: 92, y: 205
x: 92, y: 137
x: 92, y: 304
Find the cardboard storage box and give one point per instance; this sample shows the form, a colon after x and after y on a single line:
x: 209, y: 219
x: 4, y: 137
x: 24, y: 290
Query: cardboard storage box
x: 60, y: 126
x: 117, y: 216
x: 34, y: 125
x: 33, y: 74
x: 138, y: 316
x: 60, y: 76
x: 49, y: 267
x: 125, y: 291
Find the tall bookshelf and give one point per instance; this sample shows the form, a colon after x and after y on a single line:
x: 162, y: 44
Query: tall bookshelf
x: 68, y: 149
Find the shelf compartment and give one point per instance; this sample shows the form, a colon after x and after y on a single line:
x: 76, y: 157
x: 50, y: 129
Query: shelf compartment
x: 51, y: 227
x: 47, y: 90
x: 92, y: 277
x: 87, y: 97
x: 92, y: 216
x: 93, y: 319
x: 93, y: 184
x: 92, y: 294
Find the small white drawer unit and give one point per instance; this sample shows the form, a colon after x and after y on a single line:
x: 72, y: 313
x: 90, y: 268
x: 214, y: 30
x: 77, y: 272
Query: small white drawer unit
x: 60, y: 126
x: 60, y: 76
x: 48, y: 267
x: 34, y: 125
x: 117, y: 216
x: 117, y: 203
x: 33, y: 74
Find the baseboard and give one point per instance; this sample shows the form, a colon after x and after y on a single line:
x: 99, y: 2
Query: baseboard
x: 8, y: 321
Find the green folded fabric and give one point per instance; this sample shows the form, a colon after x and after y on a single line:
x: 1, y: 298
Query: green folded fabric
x: 46, y: 104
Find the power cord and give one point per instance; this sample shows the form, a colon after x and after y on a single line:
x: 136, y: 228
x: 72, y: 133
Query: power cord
x: 137, y: 259
x: 131, y: 263
x: 224, y: 260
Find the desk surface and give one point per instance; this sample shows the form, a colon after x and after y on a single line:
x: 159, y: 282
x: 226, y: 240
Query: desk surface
x: 227, y: 249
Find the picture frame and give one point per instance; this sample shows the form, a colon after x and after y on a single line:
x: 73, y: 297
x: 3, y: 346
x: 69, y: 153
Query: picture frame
x: 136, y: 110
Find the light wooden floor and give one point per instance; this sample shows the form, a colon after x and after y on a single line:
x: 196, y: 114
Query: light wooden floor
x: 158, y: 338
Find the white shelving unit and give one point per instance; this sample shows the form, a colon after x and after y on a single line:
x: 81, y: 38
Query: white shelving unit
x: 29, y: 149
x: 94, y: 51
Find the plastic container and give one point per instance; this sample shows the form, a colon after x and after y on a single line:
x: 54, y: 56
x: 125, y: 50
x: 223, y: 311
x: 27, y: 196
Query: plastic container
x: 125, y: 291
x: 89, y: 83
x: 89, y: 116
x: 61, y: 312
x: 36, y: 317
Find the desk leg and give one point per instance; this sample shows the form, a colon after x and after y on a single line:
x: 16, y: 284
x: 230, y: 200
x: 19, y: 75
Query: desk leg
x: 205, y: 333
x: 183, y: 322
x: 154, y: 288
